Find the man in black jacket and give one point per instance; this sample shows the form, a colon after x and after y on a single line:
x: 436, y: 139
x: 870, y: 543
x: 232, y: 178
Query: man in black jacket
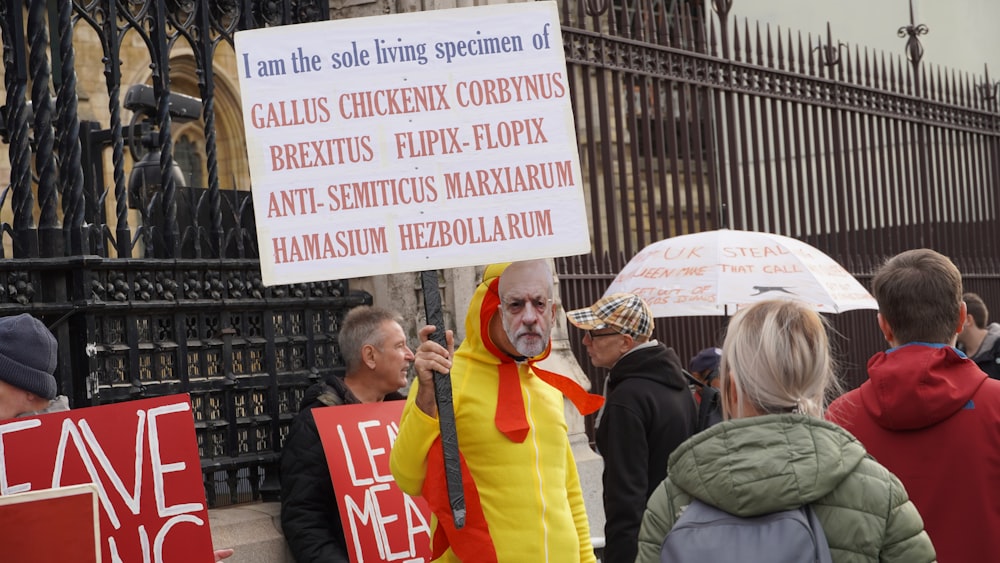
x: 649, y: 411
x: 374, y: 349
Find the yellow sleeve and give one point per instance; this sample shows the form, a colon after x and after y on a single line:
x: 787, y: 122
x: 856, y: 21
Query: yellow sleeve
x: 576, y: 504
x: 408, y: 458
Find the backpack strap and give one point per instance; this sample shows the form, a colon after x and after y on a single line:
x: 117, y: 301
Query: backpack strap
x: 692, y: 379
x: 710, y: 410
x: 693, y: 382
x: 822, y: 546
x: 710, y: 407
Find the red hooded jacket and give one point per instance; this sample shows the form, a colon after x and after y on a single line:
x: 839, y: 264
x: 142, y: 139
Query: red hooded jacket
x: 932, y: 417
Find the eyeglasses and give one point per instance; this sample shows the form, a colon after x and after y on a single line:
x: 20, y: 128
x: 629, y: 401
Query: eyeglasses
x: 594, y: 335
x: 516, y: 306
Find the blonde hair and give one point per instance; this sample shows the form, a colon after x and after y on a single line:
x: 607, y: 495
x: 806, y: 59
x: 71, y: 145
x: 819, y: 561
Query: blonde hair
x: 777, y: 357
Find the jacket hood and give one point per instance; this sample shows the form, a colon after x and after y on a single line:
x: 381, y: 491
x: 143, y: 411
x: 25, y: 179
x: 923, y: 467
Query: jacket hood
x: 918, y: 385
x: 763, y: 464
x: 334, y: 391
x: 477, y: 320
x: 649, y: 363
x: 985, y: 351
x: 331, y: 391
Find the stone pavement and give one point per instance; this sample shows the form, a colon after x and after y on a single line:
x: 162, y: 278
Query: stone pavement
x: 254, y: 532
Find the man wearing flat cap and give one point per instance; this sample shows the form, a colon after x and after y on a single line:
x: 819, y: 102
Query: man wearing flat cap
x: 27, y: 362
x: 648, y: 412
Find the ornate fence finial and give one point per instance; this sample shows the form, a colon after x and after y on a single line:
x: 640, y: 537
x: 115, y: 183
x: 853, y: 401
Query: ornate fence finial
x: 830, y: 53
x: 914, y: 50
x: 988, y: 90
x: 596, y: 7
x: 722, y: 8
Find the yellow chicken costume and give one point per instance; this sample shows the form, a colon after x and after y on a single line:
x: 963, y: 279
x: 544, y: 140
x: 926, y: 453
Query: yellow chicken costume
x: 521, y: 485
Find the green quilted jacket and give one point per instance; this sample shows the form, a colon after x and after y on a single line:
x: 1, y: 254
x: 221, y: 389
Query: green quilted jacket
x: 764, y: 464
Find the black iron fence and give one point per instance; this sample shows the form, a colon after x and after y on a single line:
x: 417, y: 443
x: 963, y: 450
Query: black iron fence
x: 692, y: 121
x: 151, y: 286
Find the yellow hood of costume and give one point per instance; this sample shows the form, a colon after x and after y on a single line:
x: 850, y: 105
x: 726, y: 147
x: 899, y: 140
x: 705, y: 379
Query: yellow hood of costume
x: 484, y: 305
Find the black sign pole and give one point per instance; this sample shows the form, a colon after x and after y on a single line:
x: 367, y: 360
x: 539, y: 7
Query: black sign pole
x: 445, y: 406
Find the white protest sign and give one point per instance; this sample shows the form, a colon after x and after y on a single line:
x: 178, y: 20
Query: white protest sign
x: 411, y: 142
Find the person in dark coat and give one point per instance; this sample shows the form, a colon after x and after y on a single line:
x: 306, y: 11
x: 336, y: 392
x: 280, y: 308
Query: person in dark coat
x: 980, y: 339
x: 377, y: 358
x: 649, y: 411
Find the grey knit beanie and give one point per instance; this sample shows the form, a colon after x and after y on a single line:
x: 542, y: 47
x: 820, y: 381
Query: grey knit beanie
x: 28, y: 355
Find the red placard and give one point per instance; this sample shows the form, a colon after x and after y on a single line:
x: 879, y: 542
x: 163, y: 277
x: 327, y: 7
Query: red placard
x: 30, y: 521
x: 381, y: 522
x: 143, y: 458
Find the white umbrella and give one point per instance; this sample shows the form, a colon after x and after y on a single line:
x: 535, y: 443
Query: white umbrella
x: 716, y: 272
